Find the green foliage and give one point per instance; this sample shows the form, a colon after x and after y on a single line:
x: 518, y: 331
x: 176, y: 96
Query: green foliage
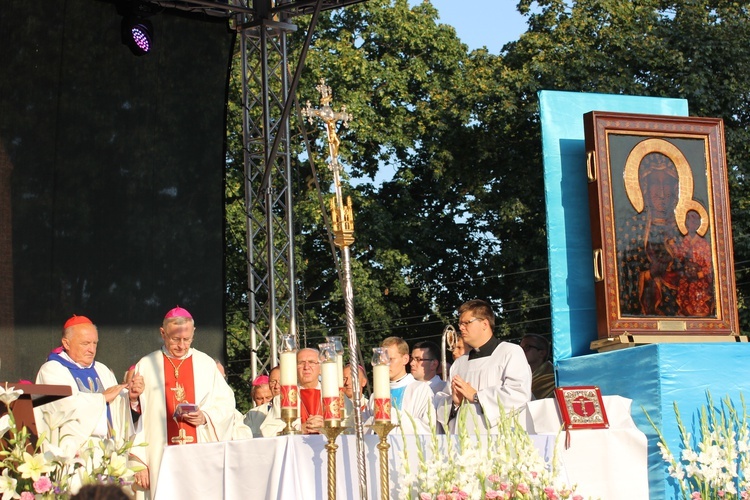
x: 443, y: 156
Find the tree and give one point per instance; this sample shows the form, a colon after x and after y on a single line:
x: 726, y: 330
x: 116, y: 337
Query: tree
x: 463, y: 215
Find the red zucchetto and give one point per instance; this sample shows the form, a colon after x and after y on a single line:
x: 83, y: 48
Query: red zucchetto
x: 178, y: 312
x: 77, y: 320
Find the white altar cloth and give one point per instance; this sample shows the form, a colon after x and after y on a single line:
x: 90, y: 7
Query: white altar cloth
x: 611, y: 464
x: 286, y: 467
x: 607, y: 463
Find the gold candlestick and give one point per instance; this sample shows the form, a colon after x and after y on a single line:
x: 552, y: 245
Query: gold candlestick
x: 382, y: 428
x: 331, y: 429
x: 288, y: 415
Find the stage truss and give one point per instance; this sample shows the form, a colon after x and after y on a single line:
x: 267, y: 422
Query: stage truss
x: 268, y: 91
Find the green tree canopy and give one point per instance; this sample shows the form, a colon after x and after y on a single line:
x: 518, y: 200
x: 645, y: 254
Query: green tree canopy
x: 443, y: 157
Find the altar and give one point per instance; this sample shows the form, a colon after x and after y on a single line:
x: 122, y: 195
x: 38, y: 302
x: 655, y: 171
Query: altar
x: 294, y: 467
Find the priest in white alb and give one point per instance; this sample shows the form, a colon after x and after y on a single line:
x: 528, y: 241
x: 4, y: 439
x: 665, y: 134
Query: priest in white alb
x: 494, y: 378
x: 411, y: 400
x: 185, y: 399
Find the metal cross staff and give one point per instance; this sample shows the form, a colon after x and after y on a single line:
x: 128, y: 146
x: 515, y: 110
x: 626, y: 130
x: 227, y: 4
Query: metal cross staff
x: 343, y: 229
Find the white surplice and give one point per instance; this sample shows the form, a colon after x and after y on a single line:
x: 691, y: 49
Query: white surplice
x: 417, y: 413
x: 502, y: 378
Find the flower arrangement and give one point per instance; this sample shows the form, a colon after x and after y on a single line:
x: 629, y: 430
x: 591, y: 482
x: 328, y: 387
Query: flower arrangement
x: 498, y: 466
x: 46, y: 471
x: 715, y: 462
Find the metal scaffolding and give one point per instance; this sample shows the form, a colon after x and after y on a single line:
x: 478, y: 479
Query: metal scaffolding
x: 268, y: 90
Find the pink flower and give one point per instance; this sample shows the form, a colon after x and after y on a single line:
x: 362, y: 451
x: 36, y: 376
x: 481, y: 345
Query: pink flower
x: 425, y: 496
x: 42, y: 485
x: 27, y: 495
x: 696, y: 495
x: 550, y: 492
x: 493, y: 477
x: 577, y: 497
x: 504, y: 486
x: 721, y: 493
x: 492, y: 494
x: 441, y: 496
x: 522, y: 488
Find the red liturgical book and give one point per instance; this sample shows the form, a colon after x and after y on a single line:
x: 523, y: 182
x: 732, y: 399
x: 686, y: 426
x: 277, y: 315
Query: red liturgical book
x: 581, y: 407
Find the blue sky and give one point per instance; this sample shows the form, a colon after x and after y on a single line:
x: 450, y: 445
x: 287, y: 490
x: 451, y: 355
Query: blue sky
x: 490, y: 23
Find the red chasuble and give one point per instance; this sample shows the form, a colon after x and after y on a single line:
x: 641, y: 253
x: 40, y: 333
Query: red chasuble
x: 310, y: 403
x: 179, y: 388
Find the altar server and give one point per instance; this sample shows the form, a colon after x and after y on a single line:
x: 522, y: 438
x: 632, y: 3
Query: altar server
x: 98, y: 406
x: 493, y: 374
x: 185, y: 399
x: 411, y: 400
x: 425, y: 361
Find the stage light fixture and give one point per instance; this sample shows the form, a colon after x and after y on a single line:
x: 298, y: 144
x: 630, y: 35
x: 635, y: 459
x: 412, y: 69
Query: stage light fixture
x: 138, y: 35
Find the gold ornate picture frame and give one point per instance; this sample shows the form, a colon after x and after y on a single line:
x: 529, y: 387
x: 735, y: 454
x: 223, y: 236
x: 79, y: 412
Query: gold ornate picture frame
x: 661, y: 228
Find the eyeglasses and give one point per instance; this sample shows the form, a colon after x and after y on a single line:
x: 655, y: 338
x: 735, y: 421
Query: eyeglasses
x: 311, y: 363
x: 466, y: 323
x: 178, y: 341
x: 419, y: 360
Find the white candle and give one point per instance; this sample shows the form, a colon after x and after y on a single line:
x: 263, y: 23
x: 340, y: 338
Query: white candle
x: 330, y: 383
x: 288, y: 364
x: 340, y: 369
x: 381, y: 382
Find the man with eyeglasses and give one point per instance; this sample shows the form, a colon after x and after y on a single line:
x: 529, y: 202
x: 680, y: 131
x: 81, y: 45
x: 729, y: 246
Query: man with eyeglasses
x: 536, y: 348
x: 493, y: 377
x: 425, y: 360
x: 310, y: 400
x: 185, y: 399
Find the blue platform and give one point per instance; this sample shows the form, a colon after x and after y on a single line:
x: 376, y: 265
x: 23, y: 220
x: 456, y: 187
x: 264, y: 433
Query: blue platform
x: 653, y: 376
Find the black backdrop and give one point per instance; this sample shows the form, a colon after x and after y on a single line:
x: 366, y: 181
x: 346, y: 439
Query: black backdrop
x: 111, y: 175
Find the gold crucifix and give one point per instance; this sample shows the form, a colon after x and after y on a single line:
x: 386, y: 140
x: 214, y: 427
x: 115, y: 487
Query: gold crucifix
x: 342, y: 216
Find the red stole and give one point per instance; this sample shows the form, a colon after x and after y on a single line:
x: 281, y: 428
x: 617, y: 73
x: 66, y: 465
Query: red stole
x: 311, y: 403
x: 179, y: 390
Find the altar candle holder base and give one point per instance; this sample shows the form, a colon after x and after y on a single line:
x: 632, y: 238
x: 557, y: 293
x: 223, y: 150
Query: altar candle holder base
x: 331, y: 429
x: 288, y: 415
x: 382, y: 429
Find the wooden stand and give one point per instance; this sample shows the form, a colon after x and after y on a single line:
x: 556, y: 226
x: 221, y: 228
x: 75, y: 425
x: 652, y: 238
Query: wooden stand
x: 33, y: 395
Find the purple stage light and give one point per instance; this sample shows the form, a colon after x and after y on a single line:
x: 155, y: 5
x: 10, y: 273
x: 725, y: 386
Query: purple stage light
x: 141, y: 37
x: 138, y: 35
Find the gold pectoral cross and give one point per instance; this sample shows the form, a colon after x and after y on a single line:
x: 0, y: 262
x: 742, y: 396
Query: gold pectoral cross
x: 182, y: 438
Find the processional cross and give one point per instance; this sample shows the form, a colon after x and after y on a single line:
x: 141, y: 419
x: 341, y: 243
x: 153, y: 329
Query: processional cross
x: 341, y: 214
x: 342, y: 220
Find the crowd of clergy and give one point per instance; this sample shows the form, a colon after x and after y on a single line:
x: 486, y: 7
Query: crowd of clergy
x: 178, y: 395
